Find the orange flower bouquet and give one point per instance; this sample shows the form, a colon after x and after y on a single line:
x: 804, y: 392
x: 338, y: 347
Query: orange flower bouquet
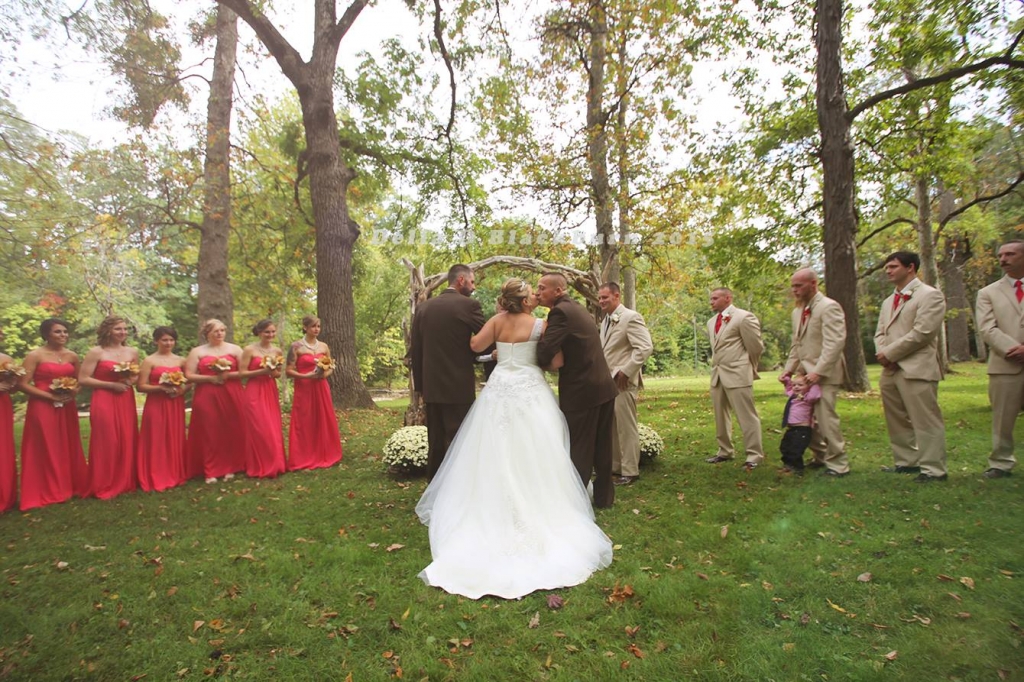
x: 272, y: 362
x: 325, y: 363
x: 222, y: 365
x: 174, y: 378
x: 128, y: 368
x: 10, y: 370
x: 62, y: 387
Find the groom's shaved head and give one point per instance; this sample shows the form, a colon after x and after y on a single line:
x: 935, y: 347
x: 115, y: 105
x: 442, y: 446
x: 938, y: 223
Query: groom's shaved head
x: 550, y: 287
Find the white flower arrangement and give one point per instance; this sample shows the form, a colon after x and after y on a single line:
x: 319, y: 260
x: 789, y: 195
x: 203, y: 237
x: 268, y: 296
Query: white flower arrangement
x: 616, y: 316
x: 651, y: 444
x: 406, y: 449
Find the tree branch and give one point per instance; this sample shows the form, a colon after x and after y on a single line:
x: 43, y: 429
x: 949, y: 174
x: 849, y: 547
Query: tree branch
x: 983, y: 199
x: 879, y: 230
x: 945, y: 77
x: 287, y: 56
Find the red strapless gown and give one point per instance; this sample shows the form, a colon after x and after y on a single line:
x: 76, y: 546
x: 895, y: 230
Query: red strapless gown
x: 162, y: 453
x: 53, y: 465
x: 265, y: 458
x: 113, y: 430
x: 313, y: 438
x: 216, y: 433
x: 8, y: 469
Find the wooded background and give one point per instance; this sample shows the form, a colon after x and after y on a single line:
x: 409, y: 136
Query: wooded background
x: 580, y: 133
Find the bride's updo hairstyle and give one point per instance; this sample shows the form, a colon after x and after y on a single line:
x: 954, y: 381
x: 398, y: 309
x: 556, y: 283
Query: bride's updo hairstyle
x: 514, y: 293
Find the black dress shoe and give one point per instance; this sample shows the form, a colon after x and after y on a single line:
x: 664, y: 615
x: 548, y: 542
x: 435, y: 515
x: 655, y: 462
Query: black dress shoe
x: 997, y: 473
x: 815, y: 464
x: 902, y: 470
x: 624, y: 480
x: 831, y: 473
x: 796, y: 471
x: 925, y: 478
x: 717, y: 459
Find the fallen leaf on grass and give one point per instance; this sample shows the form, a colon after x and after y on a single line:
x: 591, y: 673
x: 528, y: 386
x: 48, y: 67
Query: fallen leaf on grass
x: 1008, y: 574
x: 102, y: 547
x: 963, y: 615
x: 620, y: 595
x: 967, y: 582
x: 840, y: 609
x: 635, y: 650
x: 534, y: 621
x: 944, y: 578
x: 393, y: 624
x: 702, y: 576
x: 247, y: 556
x: 198, y: 624
x: 406, y: 614
x: 1003, y: 674
x: 122, y: 624
x: 394, y: 547
x: 789, y: 646
x: 864, y: 578
x: 62, y: 565
x: 388, y: 654
x: 624, y: 665
x: 891, y: 656
x: 724, y: 531
x: 555, y: 602
x: 631, y: 631
x: 955, y: 596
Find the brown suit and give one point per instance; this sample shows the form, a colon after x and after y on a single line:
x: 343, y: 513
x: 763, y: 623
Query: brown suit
x: 909, y: 336
x: 442, y: 366
x: 735, y: 351
x: 1001, y: 324
x: 627, y: 345
x: 818, y: 341
x: 586, y: 393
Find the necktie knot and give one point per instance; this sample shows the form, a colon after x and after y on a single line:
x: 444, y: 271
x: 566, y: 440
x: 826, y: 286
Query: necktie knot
x: 899, y: 298
x: 718, y: 323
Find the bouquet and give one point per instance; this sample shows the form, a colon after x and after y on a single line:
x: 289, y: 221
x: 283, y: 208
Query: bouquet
x: 173, y: 378
x: 63, y: 386
x: 128, y: 368
x: 406, y: 450
x: 9, y: 370
x: 651, y: 444
x: 222, y: 365
x: 325, y: 363
x: 272, y: 362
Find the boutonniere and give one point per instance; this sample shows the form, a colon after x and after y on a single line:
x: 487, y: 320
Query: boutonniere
x: 616, y: 316
x: 726, y: 317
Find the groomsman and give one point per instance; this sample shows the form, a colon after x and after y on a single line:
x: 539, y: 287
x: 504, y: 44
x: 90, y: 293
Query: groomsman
x: 442, y: 361
x: 586, y: 391
x: 1000, y: 313
x: 627, y: 345
x: 736, y: 349
x: 819, y: 337
x: 907, y: 345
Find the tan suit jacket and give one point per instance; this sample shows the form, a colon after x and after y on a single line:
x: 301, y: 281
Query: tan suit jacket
x: 627, y: 344
x: 735, y: 349
x: 1001, y: 324
x: 818, y: 344
x: 910, y: 336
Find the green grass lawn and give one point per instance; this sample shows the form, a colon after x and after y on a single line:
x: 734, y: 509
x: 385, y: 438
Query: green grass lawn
x: 718, y: 575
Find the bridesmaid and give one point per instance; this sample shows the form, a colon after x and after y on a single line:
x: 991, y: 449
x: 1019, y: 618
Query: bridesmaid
x: 265, y: 457
x: 216, y: 434
x: 162, y: 454
x: 113, y: 416
x: 313, y: 437
x: 53, y: 465
x: 8, y: 467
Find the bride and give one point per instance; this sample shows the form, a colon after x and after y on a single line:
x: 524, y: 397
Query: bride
x: 507, y: 513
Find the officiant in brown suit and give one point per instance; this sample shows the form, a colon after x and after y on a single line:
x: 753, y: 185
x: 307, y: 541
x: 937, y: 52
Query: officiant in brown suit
x: 586, y: 390
x: 442, y: 361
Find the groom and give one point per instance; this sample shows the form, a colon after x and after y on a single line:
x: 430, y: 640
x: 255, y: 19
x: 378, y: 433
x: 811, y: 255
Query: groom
x: 586, y: 390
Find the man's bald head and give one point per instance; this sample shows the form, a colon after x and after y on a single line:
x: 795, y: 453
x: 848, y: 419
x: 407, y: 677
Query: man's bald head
x: 804, y: 285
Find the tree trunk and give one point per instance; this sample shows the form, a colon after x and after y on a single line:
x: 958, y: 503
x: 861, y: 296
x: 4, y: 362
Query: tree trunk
x: 597, y: 132
x: 627, y: 275
x: 336, y: 233
x: 838, y: 190
x: 958, y: 309
x: 925, y: 237
x: 215, y: 298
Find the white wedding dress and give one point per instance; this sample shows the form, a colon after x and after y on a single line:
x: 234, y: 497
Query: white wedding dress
x: 507, y: 512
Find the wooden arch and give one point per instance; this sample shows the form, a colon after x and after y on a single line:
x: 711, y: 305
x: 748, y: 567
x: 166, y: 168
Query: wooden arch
x: 421, y: 287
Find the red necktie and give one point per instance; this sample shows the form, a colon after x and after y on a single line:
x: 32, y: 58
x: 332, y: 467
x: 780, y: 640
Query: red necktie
x: 904, y: 297
x: 806, y: 316
x: 1020, y: 291
x: 718, y: 321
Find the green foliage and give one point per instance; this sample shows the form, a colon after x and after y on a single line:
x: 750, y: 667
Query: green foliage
x: 20, y: 324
